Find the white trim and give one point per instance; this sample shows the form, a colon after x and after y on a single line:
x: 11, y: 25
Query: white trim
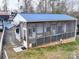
x: 25, y: 44
x: 6, y: 54
x: 23, y: 19
x: 18, y: 18
x: 64, y: 28
x: 18, y: 49
x: 75, y: 28
x: 1, y: 41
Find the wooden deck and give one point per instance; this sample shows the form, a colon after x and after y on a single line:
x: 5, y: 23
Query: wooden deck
x: 10, y: 44
x: 9, y: 50
x: 11, y: 53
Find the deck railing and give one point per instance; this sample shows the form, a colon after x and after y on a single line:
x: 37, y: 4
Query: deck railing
x: 1, y: 43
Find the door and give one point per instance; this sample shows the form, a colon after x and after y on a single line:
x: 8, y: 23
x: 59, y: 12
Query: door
x: 25, y: 37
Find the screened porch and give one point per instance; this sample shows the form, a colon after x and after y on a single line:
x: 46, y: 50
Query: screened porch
x: 47, y: 32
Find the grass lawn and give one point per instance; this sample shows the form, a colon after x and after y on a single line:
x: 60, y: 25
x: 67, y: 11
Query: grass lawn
x: 63, y: 51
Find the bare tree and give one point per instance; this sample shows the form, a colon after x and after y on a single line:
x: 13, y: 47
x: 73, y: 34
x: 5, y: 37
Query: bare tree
x: 5, y: 5
x: 40, y: 7
x: 28, y: 7
x: 52, y: 5
x: 43, y: 6
x: 58, y: 6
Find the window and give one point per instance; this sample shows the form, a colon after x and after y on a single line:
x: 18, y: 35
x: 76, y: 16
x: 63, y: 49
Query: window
x: 17, y: 30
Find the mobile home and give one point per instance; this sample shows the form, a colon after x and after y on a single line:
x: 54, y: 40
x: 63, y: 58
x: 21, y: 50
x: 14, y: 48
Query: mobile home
x: 4, y: 16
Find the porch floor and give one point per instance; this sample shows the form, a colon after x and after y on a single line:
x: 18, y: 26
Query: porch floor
x: 10, y: 52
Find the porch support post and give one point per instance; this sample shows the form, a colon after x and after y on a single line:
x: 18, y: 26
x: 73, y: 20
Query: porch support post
x: 75, y: 28
x: 43, y: 34
x: 20, y: 29
x: 64, y: 28
x: 50, y: 32
x: 56, y: 30
x: 27, y: 39
x: 25, y: 31
x: 36, y: 33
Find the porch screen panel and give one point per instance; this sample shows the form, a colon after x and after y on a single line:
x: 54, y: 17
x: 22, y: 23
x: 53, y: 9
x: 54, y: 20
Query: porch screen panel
x: 59, y: 29
x: 53, y: 29
x: 58, y: 37
x: 73, y: 26
x: 34, y: 45
x: 53, y: 39
x: 63, y: 35
x: 33, y: 41
x: 47, y: 39
x: 32, y: 34
x: 39, y: 30
x: 72, y: 34
x: 31, y: 31
x: 68, y: 35
x: 68, y: 27
x: 40, y: 41
x: 47, y: 29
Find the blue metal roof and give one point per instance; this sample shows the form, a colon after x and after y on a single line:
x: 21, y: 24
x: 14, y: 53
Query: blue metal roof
x: 46, y: 17
x: 4, y: 17
x: 8, y: 25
